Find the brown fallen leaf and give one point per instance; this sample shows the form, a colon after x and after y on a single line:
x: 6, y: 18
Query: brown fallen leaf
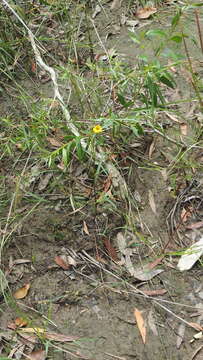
x: 107, y: 184
x: 140, y: 324
x: 152, y: 201
x: 71, y: 261
x: 115, y: 4
x: 195, y: 326
x: 21, y: 261
x: 196, y: 225
x: 151, y: 323
x: 146, y: 12
x: 154, y: 292
x: 22, y: 292
x: 54, y: 142
x: 20, y: 322
x: 151, y: 149
x: 44, y: 181
x: 34, y: 330
x: 156, y: 262
x: 180, y: 335
x: 101, y: 260
x: 144, y: 273
x: 60, y: 337
x: 61, y: 260
x: 111, y: 250
x: 183, y: 128
x: 16, y: 352
x: 47, y: 335
x: 33, y: 339
x: 85, y: 228
x: 33, y: 67
x: 11, y: 326
x: 184, y: 215
x: 37, y: 355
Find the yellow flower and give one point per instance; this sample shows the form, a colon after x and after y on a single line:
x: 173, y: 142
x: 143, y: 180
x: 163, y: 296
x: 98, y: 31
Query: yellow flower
x: 97, y: 129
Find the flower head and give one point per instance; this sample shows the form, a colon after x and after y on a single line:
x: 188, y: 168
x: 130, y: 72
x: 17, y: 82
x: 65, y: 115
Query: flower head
x: 97, y: 129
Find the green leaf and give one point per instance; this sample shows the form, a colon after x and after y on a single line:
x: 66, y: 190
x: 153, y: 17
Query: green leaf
x: 133, y: 37
x: 123, y: 102
x: 65, y: 156
x: 168, y: 80
x: 137, y: 129
x: 155, y: 32
x: 134, y: 130
x: 152, y: 88
x: 176, y: 38
x: 79, y: 149
x: 143, y: 58
x: 176, y: 19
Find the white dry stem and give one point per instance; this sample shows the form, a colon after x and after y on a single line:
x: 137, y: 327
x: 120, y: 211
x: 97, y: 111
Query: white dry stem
x: 117, y: 179
x: 135, y: 290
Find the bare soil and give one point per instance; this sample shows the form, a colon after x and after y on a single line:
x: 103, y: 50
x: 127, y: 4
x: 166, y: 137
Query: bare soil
x: 96, y: 302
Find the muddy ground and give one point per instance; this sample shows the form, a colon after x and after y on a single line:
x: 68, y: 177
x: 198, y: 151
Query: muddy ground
x: 95, y: 295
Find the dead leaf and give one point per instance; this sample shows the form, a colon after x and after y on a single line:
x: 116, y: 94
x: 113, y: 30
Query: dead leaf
x: 55, y: 104
x: 47, y: 335
x: 111, y: 250
x: 156, y: 262
x: 121, y: 241
x: 22, y: 292
x: 183, y: 128
x: 152, y: 202
x: 191, y: 255
x: 33, y: 67
x: 34, y: 330
x: 60, y: 337
x: 146, y: 12
x: 101, y: 260
x: 96, y: 11
x: 151, y: 149
x: 107, y: 184
x: 132, y: 24
x: 144, y: 273
x: 71, y: 261
x: 185, y: 214
x: 196, y: 225
x: 21, y: 261
x: 172, y: 117
x: 16, y: 352
x: 19, y: 146
x: 61, y: 260
x: 61, y: 166
x: 37, y: 355
x: 151, y: 323
x: 54, y: 142
x: 141, y: 325
x: 33, y: 339
x: 198, y: 336
x: 157, y: 292
x: 85, y: 228
x: 115, y: 4
x: 195, y: 326
x: 180, y: 337
x: 20, y: 322
x: 44, y: 181
x: 11, y: 326
x: 164, y: 174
